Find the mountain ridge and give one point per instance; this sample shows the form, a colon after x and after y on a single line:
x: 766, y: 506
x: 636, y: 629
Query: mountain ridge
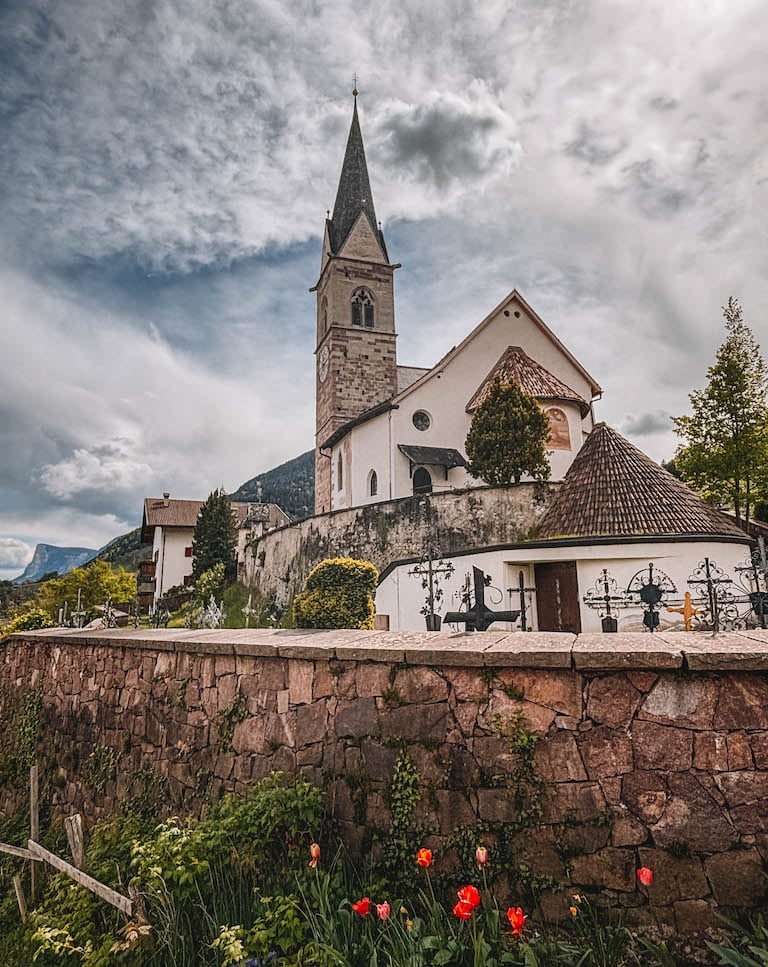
x: 49, y: 558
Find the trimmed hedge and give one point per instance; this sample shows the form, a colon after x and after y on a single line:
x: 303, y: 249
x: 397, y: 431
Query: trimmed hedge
x: 338, y: 594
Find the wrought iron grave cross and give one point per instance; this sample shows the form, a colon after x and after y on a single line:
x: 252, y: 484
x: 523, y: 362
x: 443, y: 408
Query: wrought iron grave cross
x: 479, y: 617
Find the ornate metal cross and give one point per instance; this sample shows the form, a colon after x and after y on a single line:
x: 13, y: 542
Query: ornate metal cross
x: 605, y: 597
x: 479, y: 617
x: 429, y: 570
x: 688, y: 611
x: 651, y: 586
x: 715, y: 589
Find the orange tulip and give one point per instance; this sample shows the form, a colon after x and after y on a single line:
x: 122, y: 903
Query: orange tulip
x: 516, y: 919
x: 645, y: 875
x: 314, y: 852
x: 469, y: 895
x: 481, y: 856
x: 463, y: 910
x: 424, y: 857
x: 362, y: 907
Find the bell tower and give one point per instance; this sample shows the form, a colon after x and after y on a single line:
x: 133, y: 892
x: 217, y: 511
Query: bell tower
x: 355, y: 356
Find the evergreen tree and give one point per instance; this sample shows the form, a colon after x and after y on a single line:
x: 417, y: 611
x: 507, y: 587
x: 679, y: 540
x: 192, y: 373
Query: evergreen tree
x: 507, y: 437
x: 725, y: 453
x: 215, y: 538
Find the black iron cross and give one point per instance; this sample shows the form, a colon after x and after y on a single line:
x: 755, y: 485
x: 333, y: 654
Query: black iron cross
x: 479, y: 617
x: 716, y: 582
x: 606, y: 598
x: 522, y: 590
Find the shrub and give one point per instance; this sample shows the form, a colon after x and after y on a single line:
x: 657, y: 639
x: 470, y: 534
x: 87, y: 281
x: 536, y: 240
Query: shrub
x: 338, y: 594
x: 31, y: 620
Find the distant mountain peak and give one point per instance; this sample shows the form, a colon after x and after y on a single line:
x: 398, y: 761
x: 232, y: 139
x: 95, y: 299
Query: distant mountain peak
x: 49, y: 558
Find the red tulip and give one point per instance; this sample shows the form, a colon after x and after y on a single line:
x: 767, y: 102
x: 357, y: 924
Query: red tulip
x: 516, y: 919
x: 463, y: 910
x: 481, y: 856
x: 362, y: 907
x: 382, y: 910
x: 645, y: 875
x: 424, y: 857
x: 314, y: 852
x: 469, y: 895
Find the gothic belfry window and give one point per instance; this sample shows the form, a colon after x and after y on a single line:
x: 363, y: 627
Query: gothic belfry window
x: 362, y: 308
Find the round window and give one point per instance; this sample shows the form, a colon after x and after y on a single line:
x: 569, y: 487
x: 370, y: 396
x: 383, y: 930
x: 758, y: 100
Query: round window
x: 421, y: 420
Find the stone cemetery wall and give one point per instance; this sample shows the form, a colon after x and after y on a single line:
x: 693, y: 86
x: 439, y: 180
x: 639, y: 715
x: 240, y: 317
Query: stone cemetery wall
x: 392, y: 530
x: 605, y: 752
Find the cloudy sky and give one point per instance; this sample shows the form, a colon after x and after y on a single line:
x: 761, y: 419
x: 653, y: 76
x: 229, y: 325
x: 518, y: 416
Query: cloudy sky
x: 165, y: 170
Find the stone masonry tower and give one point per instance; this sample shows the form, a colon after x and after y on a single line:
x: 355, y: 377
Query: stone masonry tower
x: 355, y: 355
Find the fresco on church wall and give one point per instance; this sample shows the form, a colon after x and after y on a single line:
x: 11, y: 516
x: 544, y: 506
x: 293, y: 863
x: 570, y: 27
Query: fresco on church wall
x: 559, y: 434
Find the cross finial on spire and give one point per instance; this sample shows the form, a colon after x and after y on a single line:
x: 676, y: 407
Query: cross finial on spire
x: 355, y: 91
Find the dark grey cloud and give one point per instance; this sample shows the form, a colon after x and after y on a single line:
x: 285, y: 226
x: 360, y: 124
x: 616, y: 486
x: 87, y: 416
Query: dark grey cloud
x: 594, y: 148
x: 647, y: 424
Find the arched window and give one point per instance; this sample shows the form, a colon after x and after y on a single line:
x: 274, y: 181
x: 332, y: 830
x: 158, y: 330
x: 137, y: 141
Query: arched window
x: 339, y: 474
x: 422, y: 482
x: 362, y: 308
x: 373, y: 483
x: 324, y: 313
x: 559, y: 434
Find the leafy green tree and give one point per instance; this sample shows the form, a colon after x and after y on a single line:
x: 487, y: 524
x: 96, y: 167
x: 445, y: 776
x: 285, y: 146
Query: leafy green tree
x: 338, y: 594
x: 215, y: 537
x: 507, y: 437
x: 725, y: 450
x: 96, y: 582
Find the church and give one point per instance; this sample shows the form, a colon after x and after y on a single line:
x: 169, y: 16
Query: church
x: 387, y: 431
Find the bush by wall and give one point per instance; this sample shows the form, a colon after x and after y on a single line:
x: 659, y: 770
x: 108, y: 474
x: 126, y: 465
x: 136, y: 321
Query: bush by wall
x: 338, y: 594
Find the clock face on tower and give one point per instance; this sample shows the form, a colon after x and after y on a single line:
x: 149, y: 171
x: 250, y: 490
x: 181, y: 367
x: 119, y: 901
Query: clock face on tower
x: 322, y: 367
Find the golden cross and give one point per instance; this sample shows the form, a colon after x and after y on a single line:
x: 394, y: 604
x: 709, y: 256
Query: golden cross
x: 688, y: 611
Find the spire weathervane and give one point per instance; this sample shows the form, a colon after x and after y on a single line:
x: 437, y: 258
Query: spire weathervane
x: 355, y: 91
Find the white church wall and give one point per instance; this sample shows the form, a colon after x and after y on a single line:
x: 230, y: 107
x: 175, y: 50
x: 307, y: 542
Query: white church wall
x: 401, y: 596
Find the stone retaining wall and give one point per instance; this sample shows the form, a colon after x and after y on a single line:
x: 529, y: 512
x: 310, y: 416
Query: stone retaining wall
x: 390, y: 530
x: 653, y: 749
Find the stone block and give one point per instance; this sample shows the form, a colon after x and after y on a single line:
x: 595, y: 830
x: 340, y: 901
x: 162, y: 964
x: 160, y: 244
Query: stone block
x: 311, y: 723
x: 750, y: 819
x: 741, y: 788
x: 694, y: 916
x: 496, y: 805
x: 558, y: 690
x: 628, y: 831
x: 420, y: 685
x: 662, y: 747
x: 710, y: 751
x: 681, y: 701
x: 743, y: 702
x: 609, y: 868
x: 447, y: 648
x: 418, y: 723
x: 597, y: 652
x: 226, y: 690
x: 536, y: 649
x: 468, y: 684
x: 612, y: 700
x: 737, y: 879
x: 742, y: 651
x: 324, y: 683
x: 606, y: 752
x: 557, y: 759
x: 692, y: 819
x: 739, y: 751
x: 507, y: 711
x: 674, y: 878
x: 357, y: 718
x: 301, y: 675
x: 645, y: 794
x: 568, y: 801
x: 453, y: 810
x: 378, y: 761
x: 372, y: 679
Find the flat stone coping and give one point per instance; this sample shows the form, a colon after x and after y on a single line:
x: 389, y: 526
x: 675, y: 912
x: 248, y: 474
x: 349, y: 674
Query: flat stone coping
x: 697, y: 651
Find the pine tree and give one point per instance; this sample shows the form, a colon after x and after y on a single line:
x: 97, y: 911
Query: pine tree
x: 215, y: 538
x: 725, y: 453
x: 507, y: 437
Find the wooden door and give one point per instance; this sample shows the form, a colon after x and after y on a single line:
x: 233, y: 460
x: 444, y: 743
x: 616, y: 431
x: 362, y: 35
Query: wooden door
x: 557, y: 597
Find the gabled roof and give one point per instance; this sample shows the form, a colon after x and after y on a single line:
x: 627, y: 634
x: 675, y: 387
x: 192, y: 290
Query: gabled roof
x: 164, y: 512
x: 514, y: 295
x: 612, y: 489
x: 516, y: 366
x: 354, y: 193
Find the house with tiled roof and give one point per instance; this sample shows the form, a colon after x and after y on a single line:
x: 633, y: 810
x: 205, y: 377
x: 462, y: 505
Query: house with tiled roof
x: 618, y: 520
x: 169, y: 525
x: 385, y: 430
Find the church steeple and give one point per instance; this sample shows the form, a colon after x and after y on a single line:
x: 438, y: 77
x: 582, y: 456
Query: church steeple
x: 354, y: 194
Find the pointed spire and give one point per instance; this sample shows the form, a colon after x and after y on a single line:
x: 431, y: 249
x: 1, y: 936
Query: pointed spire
x: 354, y: 192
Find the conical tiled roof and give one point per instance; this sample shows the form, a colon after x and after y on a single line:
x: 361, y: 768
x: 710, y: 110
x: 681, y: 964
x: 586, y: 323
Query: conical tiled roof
x: 516, y: 366
x: 354, y: 192
x: 612, y: 489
